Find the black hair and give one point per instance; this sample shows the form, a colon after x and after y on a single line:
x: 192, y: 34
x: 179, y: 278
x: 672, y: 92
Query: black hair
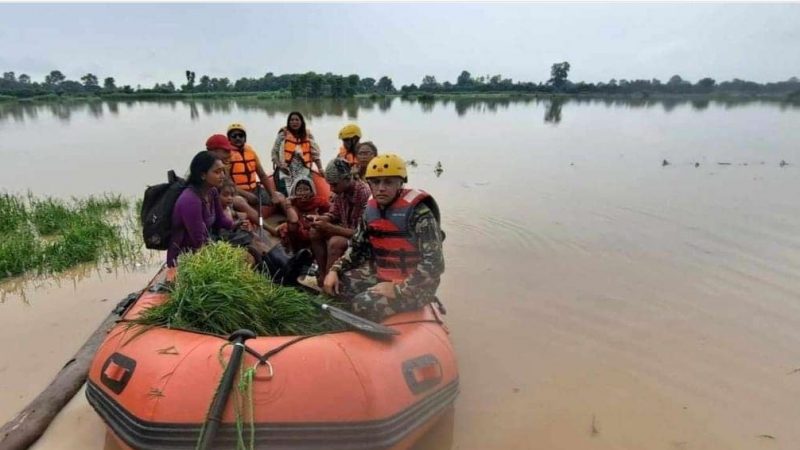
x: 368, y: 144
x: 301, y: 133
x: 228, y: 184
x: 303, y: 181
x: 201, y: 164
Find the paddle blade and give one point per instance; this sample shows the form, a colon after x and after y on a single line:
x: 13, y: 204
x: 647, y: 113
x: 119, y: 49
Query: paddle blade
x: 359, y: 322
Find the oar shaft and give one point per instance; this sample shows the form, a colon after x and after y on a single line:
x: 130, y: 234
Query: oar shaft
x: 224, y: 389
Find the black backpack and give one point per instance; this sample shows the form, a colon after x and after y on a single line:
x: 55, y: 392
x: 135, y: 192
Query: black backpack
x: 156, y: 214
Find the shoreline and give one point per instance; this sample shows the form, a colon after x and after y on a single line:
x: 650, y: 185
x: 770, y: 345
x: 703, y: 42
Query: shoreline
x: 419, y: 96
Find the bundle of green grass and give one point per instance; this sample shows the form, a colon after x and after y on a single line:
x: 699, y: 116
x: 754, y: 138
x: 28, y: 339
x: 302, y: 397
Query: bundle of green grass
x: 216, y: 291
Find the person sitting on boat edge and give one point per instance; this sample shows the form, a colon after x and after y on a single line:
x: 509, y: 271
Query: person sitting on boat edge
x: 294, y: 153
x: 198, y: 208
x: 395, y: 259
x: 365, y: 151
x: 350, y: 134
x: 330, y: 232
x: 246, y: 171
x: 299, y: 206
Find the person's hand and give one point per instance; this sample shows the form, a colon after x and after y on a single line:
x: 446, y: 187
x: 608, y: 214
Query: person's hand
x: 331, y: 283
x: 283, y: 166
x: 383, y: 289
x: 278, y: 198
x: 246, y: 225
x: 322, y: 225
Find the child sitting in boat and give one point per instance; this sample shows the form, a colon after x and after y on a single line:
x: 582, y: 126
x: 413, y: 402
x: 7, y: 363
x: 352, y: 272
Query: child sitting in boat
x: 257, y: 244
x: 302, y: 202
x: 394, y: 261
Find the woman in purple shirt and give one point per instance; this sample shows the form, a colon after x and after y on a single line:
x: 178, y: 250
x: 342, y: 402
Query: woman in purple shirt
x: 198, y: 211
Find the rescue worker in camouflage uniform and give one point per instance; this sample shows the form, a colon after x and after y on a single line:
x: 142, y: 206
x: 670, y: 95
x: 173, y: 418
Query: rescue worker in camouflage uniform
x: 395, y: 258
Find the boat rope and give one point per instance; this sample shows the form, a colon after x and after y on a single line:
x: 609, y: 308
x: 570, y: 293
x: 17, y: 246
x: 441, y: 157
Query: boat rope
x: 244, y: 396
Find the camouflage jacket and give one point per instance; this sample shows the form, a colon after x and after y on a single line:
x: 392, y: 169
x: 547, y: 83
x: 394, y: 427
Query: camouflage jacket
x: 426, y: 232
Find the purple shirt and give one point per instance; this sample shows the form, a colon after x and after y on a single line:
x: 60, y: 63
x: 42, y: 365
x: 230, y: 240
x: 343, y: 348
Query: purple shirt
x: 192, y: 218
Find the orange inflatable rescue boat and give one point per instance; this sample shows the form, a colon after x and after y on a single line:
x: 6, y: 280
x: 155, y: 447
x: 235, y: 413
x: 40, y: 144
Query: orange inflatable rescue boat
x: 340, y: 390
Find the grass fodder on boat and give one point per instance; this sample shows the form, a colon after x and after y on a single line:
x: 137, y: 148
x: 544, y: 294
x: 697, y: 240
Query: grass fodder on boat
x: 216, y: 291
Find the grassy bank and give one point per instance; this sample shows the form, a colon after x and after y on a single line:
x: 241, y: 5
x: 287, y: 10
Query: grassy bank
x: 119, y: 96
x: 48, y: 235
x: 511, y: 95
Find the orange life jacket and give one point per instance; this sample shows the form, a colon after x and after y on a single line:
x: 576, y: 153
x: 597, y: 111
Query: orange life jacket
x: 349, y: 157
x: 290, y: 143
x: 243, y: 168
x: 396, y: 252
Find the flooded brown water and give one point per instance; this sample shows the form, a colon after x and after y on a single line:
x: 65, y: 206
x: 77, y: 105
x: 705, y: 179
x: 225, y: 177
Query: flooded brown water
x: 597, y: 299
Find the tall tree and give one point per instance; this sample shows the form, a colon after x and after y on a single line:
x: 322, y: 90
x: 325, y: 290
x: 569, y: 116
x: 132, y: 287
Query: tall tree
x: 367, y: 84
x: 205, y: 83
x: 24, y: 78
x: 9, y: 76
x: 675, y: 80
x: 465, y: 79
x: 352, y: 84
x: 706, y: 84
x: 189, y: 86
x: 89, y: 81
x: 109, y: 84
x: 54, y: 78
x: 429, y: 82
x: 558, y: 74
x: 385, y: 85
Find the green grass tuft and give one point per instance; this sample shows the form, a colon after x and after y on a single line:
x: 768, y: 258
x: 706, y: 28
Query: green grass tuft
x: 51, y: 235
x: 19, y: 252
x: 50, y: 215
x: 13, y: 213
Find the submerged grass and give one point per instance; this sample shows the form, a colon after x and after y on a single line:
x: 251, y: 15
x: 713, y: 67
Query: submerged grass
x: 216, y: 291
x: 51, y: 235
x: 13, y: 213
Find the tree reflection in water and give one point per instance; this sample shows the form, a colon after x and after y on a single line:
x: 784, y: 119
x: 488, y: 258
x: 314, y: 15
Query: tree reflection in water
x: 350, y: 107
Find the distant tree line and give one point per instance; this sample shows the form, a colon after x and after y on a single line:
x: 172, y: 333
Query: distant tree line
x: 308, y: 84
x: 328, y: 85
x: 560, y: 83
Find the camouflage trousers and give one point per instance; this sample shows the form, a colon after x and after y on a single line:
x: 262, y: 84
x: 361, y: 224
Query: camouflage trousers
x: 353, y: 288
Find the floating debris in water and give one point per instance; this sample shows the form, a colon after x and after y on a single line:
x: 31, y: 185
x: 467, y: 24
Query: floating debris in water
x: 783, y: 163
x: 438, y: 169
x: 766, y: 436
x: 724, y: 163
x: 412, y: 163
x: 697, y: 164
x: 664, y: 163
x: 595, y: 431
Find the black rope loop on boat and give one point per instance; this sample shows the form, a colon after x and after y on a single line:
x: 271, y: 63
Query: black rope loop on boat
x: 263, y: 359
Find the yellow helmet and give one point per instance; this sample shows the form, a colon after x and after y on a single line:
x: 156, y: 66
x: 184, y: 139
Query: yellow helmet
x: 349, y: 130
x: 236, y: 126
x: 387, y: 165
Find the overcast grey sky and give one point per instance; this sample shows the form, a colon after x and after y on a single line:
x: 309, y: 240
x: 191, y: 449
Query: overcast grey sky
x: 148, y: 43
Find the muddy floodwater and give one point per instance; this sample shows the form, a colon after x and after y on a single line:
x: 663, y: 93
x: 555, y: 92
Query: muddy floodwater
x: 620, y: 275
